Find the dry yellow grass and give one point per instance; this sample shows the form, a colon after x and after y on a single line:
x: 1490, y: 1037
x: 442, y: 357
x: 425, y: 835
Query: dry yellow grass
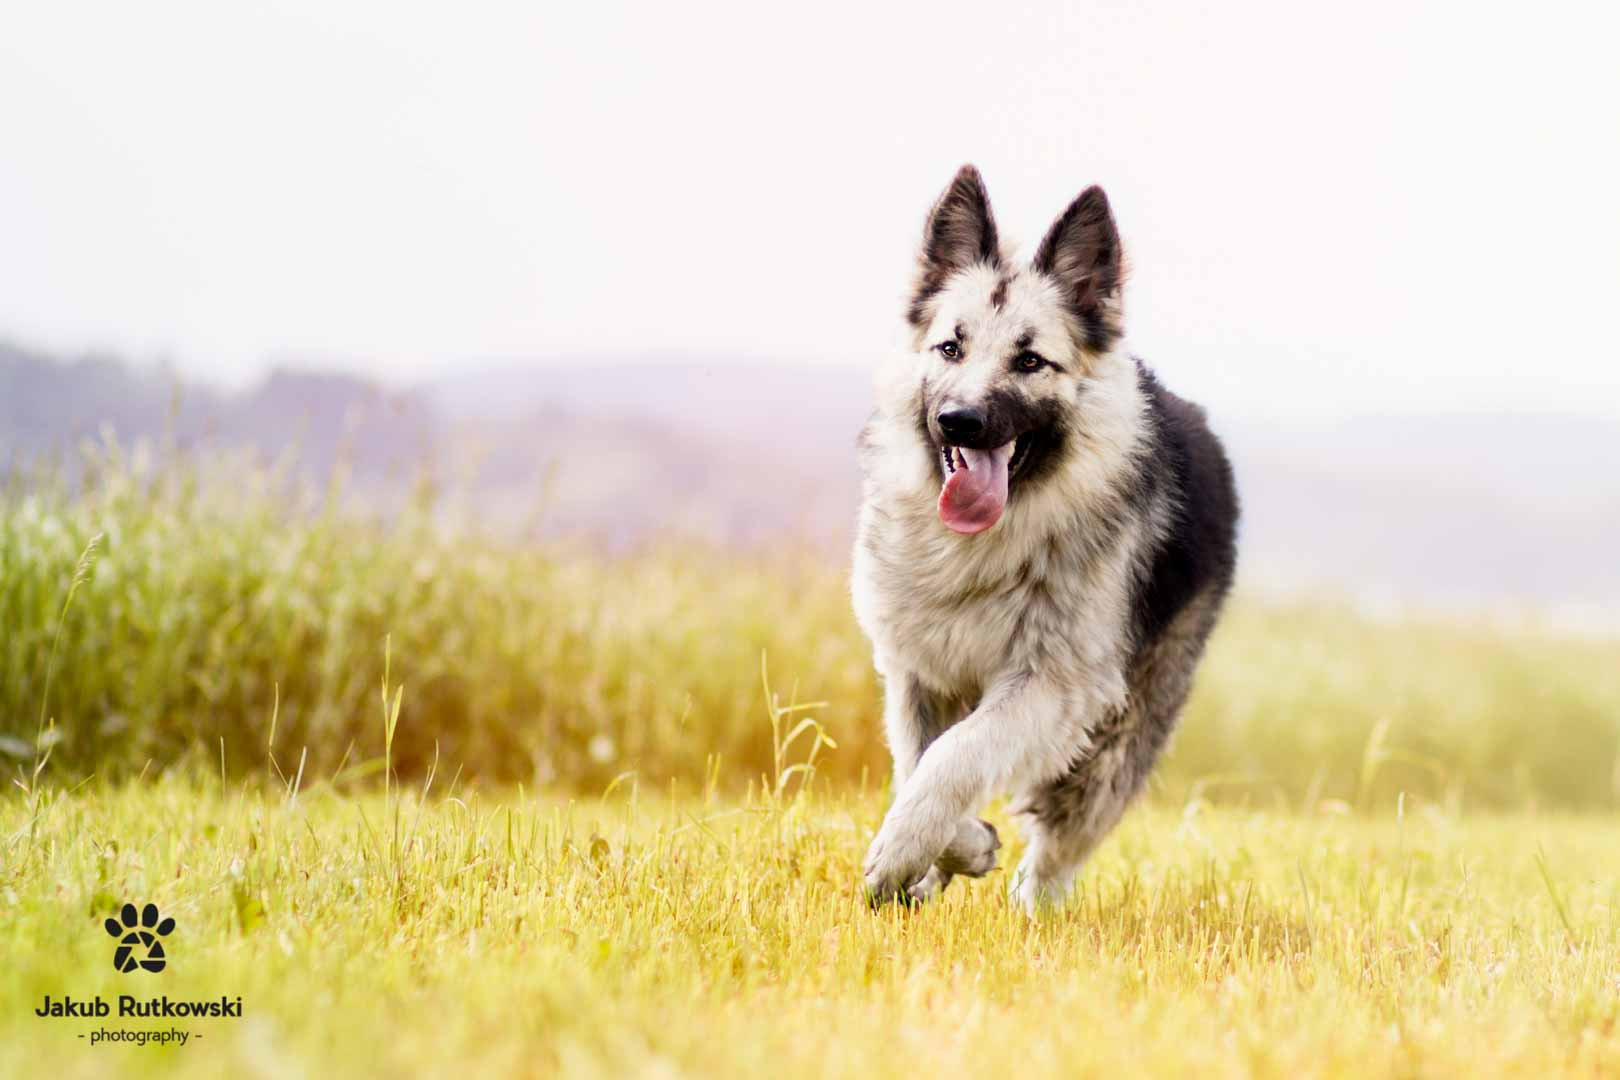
x: 649, y: 936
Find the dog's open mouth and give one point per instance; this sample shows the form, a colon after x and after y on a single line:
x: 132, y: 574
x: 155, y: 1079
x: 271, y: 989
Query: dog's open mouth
x: 976, y: 483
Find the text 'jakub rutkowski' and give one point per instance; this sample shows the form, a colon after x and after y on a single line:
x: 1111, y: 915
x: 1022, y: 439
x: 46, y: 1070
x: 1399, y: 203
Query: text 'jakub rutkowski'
x: 130, y: 1005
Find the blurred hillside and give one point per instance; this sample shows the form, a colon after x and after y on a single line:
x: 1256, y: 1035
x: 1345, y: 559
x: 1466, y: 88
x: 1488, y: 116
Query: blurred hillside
x: 49, y: 405
x: 1436, y: 510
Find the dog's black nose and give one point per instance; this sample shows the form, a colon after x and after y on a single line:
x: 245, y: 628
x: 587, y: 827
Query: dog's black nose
x: 961, y: 424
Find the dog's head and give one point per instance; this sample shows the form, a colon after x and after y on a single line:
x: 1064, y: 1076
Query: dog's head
x: 1003, y: 351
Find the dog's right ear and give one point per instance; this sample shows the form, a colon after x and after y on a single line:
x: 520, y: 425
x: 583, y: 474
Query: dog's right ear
x: 960, y: 232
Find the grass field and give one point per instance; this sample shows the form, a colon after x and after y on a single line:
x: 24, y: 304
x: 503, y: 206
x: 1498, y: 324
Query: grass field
x: 428, y: 800
x: 641, y: 936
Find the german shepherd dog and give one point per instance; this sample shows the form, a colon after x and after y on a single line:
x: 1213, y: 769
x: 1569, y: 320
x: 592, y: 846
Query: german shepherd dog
x: 1046, y: 537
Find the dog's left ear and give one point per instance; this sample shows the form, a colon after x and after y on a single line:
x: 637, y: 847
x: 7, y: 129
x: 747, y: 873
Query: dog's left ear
x: 1082, y: 254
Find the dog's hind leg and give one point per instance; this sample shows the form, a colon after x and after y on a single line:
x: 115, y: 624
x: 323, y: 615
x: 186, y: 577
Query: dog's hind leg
x: 1069, y: 816
x: 913, y: 717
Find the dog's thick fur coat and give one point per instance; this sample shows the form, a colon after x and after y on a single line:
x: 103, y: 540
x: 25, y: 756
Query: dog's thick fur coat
x: 1036, y: 630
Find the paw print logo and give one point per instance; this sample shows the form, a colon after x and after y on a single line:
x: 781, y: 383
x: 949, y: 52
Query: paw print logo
x: 138, y: 944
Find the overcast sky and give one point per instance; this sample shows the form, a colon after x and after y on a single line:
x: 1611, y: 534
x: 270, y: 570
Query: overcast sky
x: 1379, y: 205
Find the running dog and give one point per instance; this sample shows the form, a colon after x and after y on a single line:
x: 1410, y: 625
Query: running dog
x: 1046, y: 537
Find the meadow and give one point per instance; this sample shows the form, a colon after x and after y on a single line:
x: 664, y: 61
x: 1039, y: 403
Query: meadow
x: 640, y: 935
x: 431, y: 799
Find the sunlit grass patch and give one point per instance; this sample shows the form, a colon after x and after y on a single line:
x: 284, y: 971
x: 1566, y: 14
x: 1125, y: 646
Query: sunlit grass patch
x: 728, y: 937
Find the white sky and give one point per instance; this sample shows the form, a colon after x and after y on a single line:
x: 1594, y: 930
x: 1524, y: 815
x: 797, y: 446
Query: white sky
x: 1385, y: 205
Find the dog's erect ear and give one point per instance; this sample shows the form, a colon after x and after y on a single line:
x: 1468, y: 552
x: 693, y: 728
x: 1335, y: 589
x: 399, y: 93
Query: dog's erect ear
x: 1082, y: 254
x: 959, y: 233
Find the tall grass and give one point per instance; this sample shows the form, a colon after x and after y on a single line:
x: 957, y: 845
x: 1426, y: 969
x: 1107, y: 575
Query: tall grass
x: 232, y: 609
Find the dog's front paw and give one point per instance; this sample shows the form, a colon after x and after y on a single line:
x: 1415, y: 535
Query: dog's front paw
x: 894, y: 864
x: 972, y: 851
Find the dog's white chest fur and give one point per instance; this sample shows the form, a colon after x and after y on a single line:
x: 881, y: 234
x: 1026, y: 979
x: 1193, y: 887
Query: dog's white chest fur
x: 947, y: 617
x: 960, y: 612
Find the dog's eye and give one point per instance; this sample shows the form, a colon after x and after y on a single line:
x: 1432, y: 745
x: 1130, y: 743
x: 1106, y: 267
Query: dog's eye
x: 1028, y: 361
x: 950, y: 350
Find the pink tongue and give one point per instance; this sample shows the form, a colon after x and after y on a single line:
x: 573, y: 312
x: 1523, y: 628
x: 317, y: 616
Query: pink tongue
x: 976, y: 493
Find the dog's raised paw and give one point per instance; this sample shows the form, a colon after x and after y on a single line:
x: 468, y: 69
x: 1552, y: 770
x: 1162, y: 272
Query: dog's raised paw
x: 972, y: 851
